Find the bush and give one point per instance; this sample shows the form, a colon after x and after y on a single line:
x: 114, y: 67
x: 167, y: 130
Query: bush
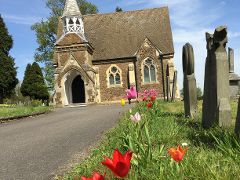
x: 36, y: 102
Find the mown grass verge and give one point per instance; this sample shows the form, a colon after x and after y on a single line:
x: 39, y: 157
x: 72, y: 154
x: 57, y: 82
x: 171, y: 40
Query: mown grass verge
x: 7, y: 111
x: 212, y: 153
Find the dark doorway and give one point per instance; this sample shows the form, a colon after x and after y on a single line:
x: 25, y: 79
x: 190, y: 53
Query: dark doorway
x: 78, y: 91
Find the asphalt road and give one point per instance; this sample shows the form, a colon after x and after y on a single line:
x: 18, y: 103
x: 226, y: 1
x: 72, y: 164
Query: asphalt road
x: 40, y: 147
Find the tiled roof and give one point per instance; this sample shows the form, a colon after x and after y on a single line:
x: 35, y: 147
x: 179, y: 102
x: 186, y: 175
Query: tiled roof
x: 120, y: 34
x: 71, y: 9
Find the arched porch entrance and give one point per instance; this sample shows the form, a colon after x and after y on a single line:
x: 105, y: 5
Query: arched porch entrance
x: 78, y: 92
x: 74, y: 88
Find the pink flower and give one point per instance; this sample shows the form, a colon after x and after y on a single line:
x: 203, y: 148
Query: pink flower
x: 152, y: 91
x: 148, y: 94
x: 131, y: 93
x: 140, y: 94
x: 136, y: 118
x: 154, y: 94
x: 146, y: 91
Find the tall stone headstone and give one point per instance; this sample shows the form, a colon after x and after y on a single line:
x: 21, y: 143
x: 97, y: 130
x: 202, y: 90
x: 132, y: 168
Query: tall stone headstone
x: 233, y: 78
x: 168, y: 88
x: 189, y: 82
x: 174, y: 86
x: 216, y: 100
x: 237, y: 123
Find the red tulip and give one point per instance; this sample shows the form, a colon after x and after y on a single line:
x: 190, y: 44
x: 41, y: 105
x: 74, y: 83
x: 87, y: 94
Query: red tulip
x: 96, y: 176
x: 120, y: 165
x: 145, y: 99
x: 153, y: 98
x: 149, y: 105
x: 178, y: 154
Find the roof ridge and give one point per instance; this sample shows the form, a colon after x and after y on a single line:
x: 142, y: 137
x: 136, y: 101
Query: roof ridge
x: 127, y: 11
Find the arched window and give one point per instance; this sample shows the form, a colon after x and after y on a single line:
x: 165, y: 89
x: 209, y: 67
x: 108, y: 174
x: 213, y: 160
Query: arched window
x: 149, y: 71
x: 114, y: 76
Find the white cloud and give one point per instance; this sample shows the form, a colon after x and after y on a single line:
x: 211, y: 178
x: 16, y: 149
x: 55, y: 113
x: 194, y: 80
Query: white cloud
x: 233, y: 34
x: 26, y: 19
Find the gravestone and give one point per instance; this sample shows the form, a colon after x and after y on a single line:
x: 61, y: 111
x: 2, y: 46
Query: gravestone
x: 237, y: 123
x: 216, y: 101
x: 168, y: 88
x: 233, y: 78
x: 189, y: 82
x: 174, y: 86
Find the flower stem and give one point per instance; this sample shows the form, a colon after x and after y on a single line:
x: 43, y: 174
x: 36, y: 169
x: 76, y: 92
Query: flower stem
x: 181, y: 170
x: 141, y: 134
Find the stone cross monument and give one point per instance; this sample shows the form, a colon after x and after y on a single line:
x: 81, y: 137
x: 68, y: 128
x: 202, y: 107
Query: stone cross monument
x: 216, y: 100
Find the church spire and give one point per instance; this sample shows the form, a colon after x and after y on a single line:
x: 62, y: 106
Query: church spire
x: 72, y: 18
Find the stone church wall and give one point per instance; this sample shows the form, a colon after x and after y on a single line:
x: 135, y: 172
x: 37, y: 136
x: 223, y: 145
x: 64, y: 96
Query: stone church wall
x: 113, y: 93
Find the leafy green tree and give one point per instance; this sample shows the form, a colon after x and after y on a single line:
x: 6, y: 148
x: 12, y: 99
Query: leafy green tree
x: 199, y: 92
x: 33, y: 83
x: 46, y: 35
x: 118, y: 9
x: 8, y: 72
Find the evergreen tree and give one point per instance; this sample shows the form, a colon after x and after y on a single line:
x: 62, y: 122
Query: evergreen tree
x: 46, y: 34
x: 118, y: 9
x: 38, y: 88
x: 8, y: 72
x: 33, y: 83
x: 27, y: 81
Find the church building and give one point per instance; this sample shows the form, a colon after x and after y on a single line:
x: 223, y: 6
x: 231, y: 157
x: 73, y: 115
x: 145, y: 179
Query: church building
x: 98, y: 56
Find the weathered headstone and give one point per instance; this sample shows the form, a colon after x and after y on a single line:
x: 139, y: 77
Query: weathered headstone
x: 209, y: 94
x: 174, y: 86
x: 168, y: 88
x: 233, y: 78
x: 237, y: 123
x: 216, y: 101
x: 189, y: 82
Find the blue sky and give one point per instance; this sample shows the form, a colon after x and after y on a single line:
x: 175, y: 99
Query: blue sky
x: 190, y: 19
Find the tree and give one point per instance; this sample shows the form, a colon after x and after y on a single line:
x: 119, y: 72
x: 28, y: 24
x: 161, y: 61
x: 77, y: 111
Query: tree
x: 118, y: 9
x: 199, y: 92
x: 25, y: 87
x: 46, y: 35
x: 33, y: 83
x: 8, y: 72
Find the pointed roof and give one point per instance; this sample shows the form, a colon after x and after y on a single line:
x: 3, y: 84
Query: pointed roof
x: 120, y: 34
x: 71, y: 9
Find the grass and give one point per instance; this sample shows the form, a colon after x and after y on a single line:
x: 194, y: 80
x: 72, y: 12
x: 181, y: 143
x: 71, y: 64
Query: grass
x: 6, y: 111
x: 212, y: 153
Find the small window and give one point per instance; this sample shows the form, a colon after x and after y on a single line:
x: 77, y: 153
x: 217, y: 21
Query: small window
x: 114, y: 76
x: 149, y: 71
x: 146, y: 74
x: 111, y: 79
x: 117, y: 79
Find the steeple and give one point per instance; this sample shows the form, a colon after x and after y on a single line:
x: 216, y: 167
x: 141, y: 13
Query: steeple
x: 72, y: 18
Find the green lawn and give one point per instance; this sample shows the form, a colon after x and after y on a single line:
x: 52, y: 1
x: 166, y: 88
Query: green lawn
x: 206, y: 157
x: 6, y: 111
